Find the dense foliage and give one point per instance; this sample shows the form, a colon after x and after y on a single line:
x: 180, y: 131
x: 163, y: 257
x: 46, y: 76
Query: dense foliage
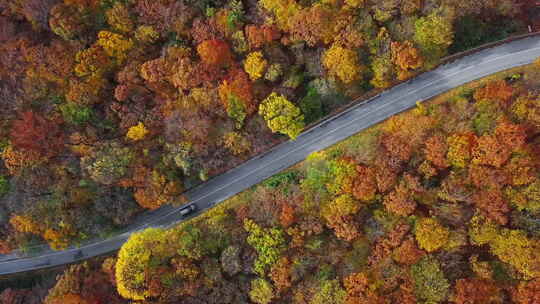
x: 418, y: 209
x: 111, y: 107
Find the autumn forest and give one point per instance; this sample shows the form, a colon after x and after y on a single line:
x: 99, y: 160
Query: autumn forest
x: 113, y: 107
x: 436, y: 205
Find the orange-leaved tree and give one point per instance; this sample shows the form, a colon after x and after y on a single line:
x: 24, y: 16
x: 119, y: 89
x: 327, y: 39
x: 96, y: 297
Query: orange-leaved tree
x: 477, y: 291
x: 236, y: 95
x: 527, y: 292
x: 313, y: 25
x: 258, y: 36
x: 339, y: 216
x: 215, y: 52
x: 497, y: 90
x: 407, y: 58
x: 364, y: 185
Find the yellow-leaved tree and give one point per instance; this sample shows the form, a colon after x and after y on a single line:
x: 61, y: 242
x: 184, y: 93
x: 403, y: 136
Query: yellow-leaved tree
x: 146, y: 34
x: 255, y: 65
x: 115, y: 45
x: 430, y: 234
x: 282, y: 115
x: 118, y: 17
x: 434, y: 33
x: 342, y: 63
x: 514, y: 247
x: 25, y: 224
x: 135, y: 260
x: 137, y: 132
x: 283, y: 10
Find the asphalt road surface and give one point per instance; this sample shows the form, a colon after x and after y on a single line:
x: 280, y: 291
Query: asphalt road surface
x: 322, y: 135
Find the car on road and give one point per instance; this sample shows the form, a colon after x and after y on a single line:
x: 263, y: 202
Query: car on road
x: 188, y: 209
x: 78, y: 255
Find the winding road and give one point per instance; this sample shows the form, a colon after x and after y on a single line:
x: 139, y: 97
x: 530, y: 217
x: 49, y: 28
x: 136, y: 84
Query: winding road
x: 320, y: 136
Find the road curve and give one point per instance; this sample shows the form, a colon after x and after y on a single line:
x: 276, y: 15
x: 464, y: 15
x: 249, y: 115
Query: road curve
x: 320, y: 136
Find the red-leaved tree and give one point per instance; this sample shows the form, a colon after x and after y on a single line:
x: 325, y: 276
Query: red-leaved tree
x: 36, y: 133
